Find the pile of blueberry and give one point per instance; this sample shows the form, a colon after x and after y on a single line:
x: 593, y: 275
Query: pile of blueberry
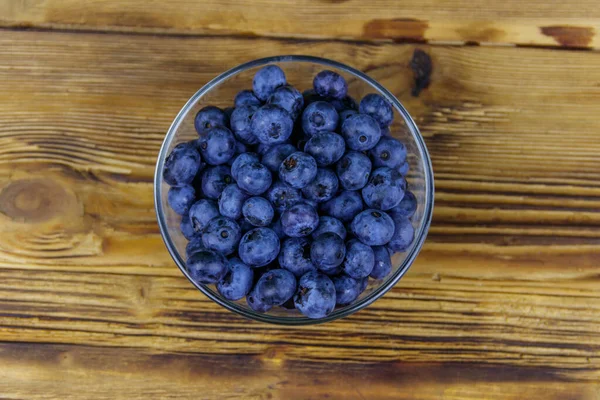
x: 292, y: 199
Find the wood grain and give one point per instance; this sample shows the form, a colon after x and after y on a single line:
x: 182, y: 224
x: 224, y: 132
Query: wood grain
x: 502, y: 303
x: 540, y: 23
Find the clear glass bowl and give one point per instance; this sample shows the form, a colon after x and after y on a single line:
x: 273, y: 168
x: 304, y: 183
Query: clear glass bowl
x: 300, y: 71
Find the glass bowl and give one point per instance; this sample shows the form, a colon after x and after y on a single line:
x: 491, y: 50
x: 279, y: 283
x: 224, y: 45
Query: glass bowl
x: 300, y: 71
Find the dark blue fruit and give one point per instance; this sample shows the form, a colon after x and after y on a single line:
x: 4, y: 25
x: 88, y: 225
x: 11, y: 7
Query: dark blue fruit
x: 323, y: 187
x: 258, y: 211
x: 364, y: 282
x: 246, y: 98
x: 315, y: 296
x: 245, y: 226
x: 373, y: 227
x: 330, y: 84
x: 241, y: 124
x: 288, y: 98
x: 242, y: 160
x: 182, y: 165
x: 346, y: 103
x: 217, y: 145
x: 319, y: 116
x: 231, y: 201
x: 276, y: 227
x: 299, y: 220
x: 310, y: 96
x: 275, y: 155
x: 295, y: 256
x: 361, y: 132
x: 298, y: 169
x: 237, y: 282
x: 385, y: 189
x: 228, y: 111
x: 329, y: 224
x: 383, y: 263
x: 222, y: 234
x: 404, y: 235
x: 254, y: 303
x: 378, y: 108
x: 404, y: 168
x: 327, y: 251
x: 272, y: 124
x: 389, y: 152
x: 208, y: 118
x: 201, y: 212
x: 266, y: 80
x: 344, y: 206
x: 194, y: 245
x: 214, y: 181
x: 186, y: 226
x: 360, y: 259
x: 259, y: 247
x: 181, y: 198
x: 254, y: 178
x: 326, y: 148
x: 275, y: 287
x: 347, y: 289
x: 240, y: 148
x: 282, y: 196
x: 207, y: 266
x: 406, y: 208
x: 344, y: 115
x: 353, y: 170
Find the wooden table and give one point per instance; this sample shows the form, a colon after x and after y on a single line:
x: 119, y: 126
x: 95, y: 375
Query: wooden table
x: 502, y: 303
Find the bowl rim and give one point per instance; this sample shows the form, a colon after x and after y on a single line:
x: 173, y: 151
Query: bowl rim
x: 420, y: 235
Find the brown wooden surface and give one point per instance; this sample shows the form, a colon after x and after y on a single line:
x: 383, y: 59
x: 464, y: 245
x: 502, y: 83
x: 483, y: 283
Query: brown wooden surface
x: 502, y: 303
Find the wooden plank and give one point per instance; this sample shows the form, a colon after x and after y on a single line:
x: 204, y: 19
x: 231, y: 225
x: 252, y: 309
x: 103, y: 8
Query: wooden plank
x: 506, y: 282
x: 545, y: 23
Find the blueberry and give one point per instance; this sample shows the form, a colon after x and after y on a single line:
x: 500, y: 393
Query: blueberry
x: 241, y: 124
x: 238, y: 281
x: 288, y: 98
x: 361, y: 132
x: 242, y: 160
x: 217, y: 145
x: 246, y: 98
x: 182, y: 165
x: 194, y: 245
x: 378, y: 108
x: 276, y: 227
x: 319, y: 116
x: 404, y: 233
x: 353, y: 170
x: 315, y: 296
x: 214, y: 181
x: 323, y: 187
x: 258, y: 211
x: 389, y: 152
x: 344, y: 104
x: 403, y: 169
x: 383, y: 263
x: 298, y: 169
x: 344, y: 206
x: 266, y: 80
x: 254, y: 178
x: 275, y: 287
x: 344, y: 115
x: 386, y: 132
x: 208, y: 118
x: 299, y: 220
x: 262, y: 148
x: 222, y: 234
x: 186, y: 226
x: 272, y: 124
x: 259, y: 247
x: 275, y: 155
x: 329, y: 224
x: 255, y: 304
x: 360, y: 259
x: 373, y: 227
x: 231, y: 201
x: 245, y: 226
x: 330, y: 84
x: 240, y: 148
x: 327, y: 251
x: 295, y: 256
x: 326, y: 148
x: 228, y: 112
x: 364, y: 282
x: 207, y: 266
x: 347, y: 289
x: 181, y: 198
x: 407, y: 206
x: 310, y: 96
x: 385, y: 189
x: 201, y: 212
x: 282, y: 196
